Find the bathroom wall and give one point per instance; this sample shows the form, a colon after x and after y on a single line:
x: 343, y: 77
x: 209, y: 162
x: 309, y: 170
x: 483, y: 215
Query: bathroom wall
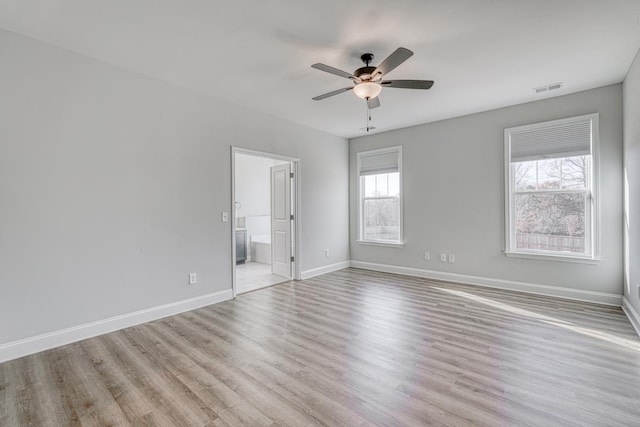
x: 253, y: 193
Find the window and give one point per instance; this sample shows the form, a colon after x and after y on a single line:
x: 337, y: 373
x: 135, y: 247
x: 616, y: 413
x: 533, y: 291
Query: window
x: 551, y: 201
x: 380, y: 196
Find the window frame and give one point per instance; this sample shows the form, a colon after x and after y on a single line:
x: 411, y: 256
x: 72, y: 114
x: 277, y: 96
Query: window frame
x: 361, y: 198
x: 592, y: 205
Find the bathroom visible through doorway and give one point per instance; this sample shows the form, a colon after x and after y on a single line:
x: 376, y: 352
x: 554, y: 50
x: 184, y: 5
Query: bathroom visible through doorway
x: 264, y: 201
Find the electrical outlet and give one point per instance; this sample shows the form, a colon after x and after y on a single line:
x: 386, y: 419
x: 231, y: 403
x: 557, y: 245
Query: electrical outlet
x: 326, y: 253
x: 193, y: 278
x: 225, y: 216
x: 452, y: 258
x: 427, y: 256
x: 443, y: 257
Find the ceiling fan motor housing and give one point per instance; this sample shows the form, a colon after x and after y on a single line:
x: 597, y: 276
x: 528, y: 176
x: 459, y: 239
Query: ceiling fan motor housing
x: 364, y: 72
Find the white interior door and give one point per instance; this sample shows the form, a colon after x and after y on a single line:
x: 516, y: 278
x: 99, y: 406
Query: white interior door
x: 281, y: 220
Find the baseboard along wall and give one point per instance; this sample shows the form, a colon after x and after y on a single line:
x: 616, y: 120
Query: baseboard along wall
x: 632, y: 314
x: 24, y: 347
x: 307, y: 274
x: 36, y: 344
x: 49, y: 340
x: 532, y: 288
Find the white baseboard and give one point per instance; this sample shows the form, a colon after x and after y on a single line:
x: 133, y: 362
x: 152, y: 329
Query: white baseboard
x: 307, y: 274
x: 532, y: 288
x: 24, y: 347
x: 632, y: 314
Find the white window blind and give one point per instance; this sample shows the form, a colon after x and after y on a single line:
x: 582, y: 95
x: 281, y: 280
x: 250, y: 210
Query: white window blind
x: 552, y: 141
x: 376, y: 163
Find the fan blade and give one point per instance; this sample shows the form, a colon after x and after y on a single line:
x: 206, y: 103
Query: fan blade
x: 408, y: 84
x: 373, y: 103
x: 398, y: 56
x: 328, y: 69
x: 335, y: 92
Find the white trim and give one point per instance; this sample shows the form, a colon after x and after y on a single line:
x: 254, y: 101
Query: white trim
x: 548, y: 257
x: 596, y: 229
x: 508, y: 187
x: 532, y: 288
x: 380, y: 243
x: 297, y: 223
x: 307, y: 274
x: 632, y: 314
x: 266, y: 154
x: 26, y: 346
x: 234, y: 289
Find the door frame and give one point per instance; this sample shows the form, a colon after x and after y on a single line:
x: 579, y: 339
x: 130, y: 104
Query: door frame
x: 295, y: 209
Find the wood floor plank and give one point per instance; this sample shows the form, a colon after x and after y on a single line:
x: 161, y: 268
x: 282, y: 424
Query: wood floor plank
x: 178, y: 402
x: 354, y: 348
x: 119, y: 380
x: 54, y: 405
x: 89, y: 396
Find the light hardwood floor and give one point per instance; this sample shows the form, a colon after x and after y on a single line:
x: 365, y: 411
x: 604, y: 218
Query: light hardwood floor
x: 351, y: 348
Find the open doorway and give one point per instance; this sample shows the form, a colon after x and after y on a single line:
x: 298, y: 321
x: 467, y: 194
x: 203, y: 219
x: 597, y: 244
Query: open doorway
x: 264, y: 188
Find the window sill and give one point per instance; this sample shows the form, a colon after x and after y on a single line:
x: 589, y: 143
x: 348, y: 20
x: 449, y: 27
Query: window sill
x: 549, y: 257
x: 378, y: 243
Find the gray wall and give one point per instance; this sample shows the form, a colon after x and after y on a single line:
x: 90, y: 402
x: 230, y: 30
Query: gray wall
x: 112, y: 185
x: 454, y: 194
x: 632, y: 171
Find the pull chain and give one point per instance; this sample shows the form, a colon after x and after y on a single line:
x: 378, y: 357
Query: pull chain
x: 368, y: 127
x: 366, y: 120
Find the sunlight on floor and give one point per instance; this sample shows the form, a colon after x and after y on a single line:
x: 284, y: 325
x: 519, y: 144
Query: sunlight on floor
x: 624, y: 342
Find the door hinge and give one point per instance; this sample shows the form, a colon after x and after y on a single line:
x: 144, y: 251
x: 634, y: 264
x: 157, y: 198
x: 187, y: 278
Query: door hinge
x: 292, y: 217
x: 293, y: 259
x: 290, y: 174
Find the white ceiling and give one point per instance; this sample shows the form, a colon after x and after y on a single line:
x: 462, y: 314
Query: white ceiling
x: 482, y: 54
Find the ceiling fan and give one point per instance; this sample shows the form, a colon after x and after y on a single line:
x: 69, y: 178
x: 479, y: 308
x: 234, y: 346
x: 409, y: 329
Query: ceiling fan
x: 369, y: 80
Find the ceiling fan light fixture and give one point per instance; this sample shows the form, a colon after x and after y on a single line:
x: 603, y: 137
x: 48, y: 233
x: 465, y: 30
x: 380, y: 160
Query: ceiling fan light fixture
x: 367, y: 90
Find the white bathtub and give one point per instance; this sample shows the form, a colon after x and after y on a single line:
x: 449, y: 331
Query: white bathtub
x: 261, y: 248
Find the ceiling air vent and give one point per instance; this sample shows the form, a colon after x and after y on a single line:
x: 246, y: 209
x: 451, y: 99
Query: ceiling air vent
x: 547, y: 88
